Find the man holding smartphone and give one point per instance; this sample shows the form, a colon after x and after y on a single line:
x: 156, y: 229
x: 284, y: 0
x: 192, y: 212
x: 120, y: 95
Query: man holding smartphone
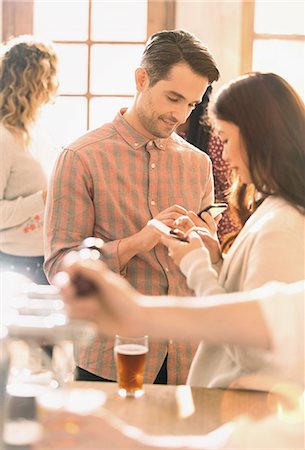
x: 112, y: 181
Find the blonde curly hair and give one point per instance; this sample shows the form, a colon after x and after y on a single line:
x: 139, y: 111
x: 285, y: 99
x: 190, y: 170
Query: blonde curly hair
x: 28, y: 79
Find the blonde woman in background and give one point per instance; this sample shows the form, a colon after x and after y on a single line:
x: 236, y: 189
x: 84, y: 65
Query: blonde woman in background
x: 28, y: 81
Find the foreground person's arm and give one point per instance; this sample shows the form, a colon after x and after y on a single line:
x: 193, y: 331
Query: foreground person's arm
x: 240, y: 316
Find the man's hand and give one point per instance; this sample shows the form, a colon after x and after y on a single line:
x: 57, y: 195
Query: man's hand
x: 148, y: 237
x: 206, y: 229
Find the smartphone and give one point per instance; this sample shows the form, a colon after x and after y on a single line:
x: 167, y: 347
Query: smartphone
x: 214, y: 209
x: 167, y: 231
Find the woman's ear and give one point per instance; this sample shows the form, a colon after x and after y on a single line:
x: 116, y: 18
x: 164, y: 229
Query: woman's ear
x: 142, y: 79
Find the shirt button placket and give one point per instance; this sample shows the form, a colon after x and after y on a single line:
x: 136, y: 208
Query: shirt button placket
x: 153, y: 178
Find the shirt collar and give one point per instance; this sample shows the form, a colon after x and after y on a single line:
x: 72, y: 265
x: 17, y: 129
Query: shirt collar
x: 132, y: 137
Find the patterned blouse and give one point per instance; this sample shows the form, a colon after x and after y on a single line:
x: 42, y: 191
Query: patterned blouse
x: 221, y: 173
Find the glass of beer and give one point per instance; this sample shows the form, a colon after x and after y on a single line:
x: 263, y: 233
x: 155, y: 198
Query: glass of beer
x: 130, y: 355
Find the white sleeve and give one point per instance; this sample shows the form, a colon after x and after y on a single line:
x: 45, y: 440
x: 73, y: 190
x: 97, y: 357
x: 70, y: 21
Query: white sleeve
x: 275, y: 255
x: 15, y: 212
x: 283, y: 312
x: 269, y: 433
x: 200, y: 274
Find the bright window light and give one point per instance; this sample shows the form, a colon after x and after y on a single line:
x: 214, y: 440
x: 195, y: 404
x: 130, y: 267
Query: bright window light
x: 111, y: 20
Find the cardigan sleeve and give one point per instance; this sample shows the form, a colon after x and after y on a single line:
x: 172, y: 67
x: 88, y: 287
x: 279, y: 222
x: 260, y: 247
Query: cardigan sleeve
x: 200, y: 274
x: 275, y: 255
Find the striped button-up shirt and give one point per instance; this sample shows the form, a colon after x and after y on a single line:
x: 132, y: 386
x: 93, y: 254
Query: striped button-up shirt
x: 108, y: 184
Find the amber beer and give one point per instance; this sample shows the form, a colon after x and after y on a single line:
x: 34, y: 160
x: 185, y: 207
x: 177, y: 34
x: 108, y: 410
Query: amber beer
x: 130, y: 358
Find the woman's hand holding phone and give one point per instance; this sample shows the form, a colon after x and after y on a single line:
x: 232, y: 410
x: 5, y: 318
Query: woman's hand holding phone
x: 179, y: 244
x: 177, y: 249
x: 206, y: 228
x: 215, y: 210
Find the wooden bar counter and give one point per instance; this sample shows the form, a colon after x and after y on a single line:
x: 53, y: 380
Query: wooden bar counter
x: 168, y: 409
x: 162, y: 410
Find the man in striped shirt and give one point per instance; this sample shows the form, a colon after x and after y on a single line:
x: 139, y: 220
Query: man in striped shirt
x: 114, y: 179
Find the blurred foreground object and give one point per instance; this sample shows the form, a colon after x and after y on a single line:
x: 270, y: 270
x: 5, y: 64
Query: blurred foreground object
x: 42, y: 342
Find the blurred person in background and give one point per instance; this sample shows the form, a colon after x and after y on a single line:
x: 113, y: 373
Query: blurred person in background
x: 28, y: 80
x: 199, y: 131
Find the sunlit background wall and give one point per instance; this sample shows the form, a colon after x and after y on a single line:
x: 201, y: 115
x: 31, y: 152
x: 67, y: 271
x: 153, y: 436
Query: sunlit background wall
x: 99, y: 44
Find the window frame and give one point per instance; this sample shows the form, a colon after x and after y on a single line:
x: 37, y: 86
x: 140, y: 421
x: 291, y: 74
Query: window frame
x: 18, y: 19
x: 248, y: 36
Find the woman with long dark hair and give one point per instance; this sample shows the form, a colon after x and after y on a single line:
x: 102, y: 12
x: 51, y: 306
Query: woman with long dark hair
x: 261, y: 121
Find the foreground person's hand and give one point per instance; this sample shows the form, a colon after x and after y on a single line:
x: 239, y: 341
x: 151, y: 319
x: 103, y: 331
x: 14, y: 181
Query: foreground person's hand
x: 109, y: 305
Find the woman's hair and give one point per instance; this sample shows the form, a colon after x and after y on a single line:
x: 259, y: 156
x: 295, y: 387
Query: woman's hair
x: 27, y: 81
x: 166, y: 48
x: 271, y: 118
x: 199, y: 125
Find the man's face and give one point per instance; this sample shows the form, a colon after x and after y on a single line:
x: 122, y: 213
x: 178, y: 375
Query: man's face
x: 163, y: 107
